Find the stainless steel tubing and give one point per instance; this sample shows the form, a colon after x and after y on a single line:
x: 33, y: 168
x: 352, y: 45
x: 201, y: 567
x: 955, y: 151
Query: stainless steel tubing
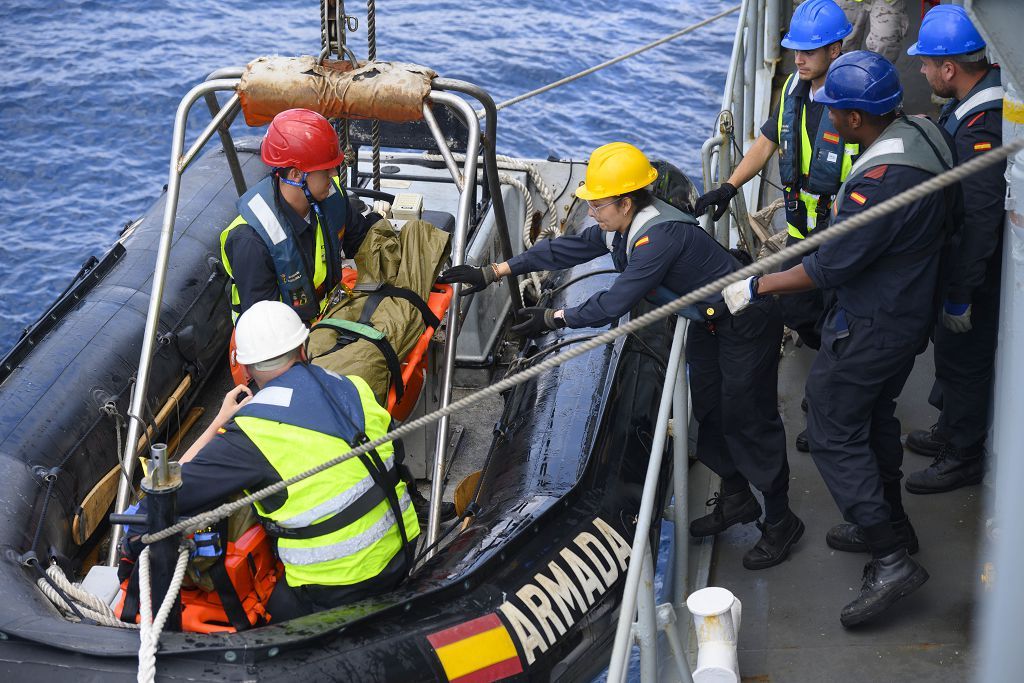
x: 724, y: 171
x: 459, y: 239
x: 707, y: 163
x: 621, y: 645
x: 163, y: 253
x: 680, y: 476
x: 750, y: 56
x: 446, y: 154
x: 228, y: 144
x: 490, y: 171
x: 229, y: 111
x: 647, y: 620
x: 772, y: 29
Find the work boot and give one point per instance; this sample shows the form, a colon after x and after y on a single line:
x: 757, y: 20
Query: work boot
x: 953, y: 468
x: 886, y: 580
x: 775, y: 543
x: 735, y: 508
x: 926, y: 441
x: 850, y: 537
x: 422, y: 507
x: 802, y: 444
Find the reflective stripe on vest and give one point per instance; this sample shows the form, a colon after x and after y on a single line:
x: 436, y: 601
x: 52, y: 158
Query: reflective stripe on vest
x: 901, y: 144
x: 258, y: 209
x: 295, y: 436
x: 823, y: 167
x: 986, y: 95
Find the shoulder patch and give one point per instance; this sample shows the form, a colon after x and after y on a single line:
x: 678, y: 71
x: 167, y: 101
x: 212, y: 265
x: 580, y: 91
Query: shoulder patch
x: 976, y: 118
x: 859, y: 198
x: 221, y: 430
x: 878, y: 172
x: 831, y: 137
x: 982, y: 146
x: 642, y: 241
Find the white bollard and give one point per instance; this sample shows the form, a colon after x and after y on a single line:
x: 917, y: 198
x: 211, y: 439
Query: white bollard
x: 716, y: 618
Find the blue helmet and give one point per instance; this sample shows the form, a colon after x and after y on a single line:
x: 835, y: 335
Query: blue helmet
x: 861, y: 80
x: 816, y: 23
x: 946, y: 30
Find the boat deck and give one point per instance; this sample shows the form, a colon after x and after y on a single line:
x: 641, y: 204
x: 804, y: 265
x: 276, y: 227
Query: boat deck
x: 790, y: 625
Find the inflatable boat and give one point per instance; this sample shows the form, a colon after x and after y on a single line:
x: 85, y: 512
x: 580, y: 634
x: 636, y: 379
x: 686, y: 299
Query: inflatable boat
x: 528, y: 588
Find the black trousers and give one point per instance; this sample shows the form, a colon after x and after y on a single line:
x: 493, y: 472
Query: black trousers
x: 964, y: 370
x: 851, y: 423
x: 734, y: 387
x: 802, y: 312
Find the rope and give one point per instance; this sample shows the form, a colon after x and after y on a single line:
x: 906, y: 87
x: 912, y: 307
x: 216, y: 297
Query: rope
x: 150, y: 627
x: 89, y: 605
x: 615, y: 60
x: 804, y: 246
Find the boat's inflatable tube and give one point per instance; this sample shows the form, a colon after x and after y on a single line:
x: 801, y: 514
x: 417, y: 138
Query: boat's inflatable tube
x: 529, y: 591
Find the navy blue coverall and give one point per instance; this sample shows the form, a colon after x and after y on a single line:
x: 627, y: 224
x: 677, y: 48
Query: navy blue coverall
x: 883, y: 282
x: 964, y: 362
x: 733, y: 362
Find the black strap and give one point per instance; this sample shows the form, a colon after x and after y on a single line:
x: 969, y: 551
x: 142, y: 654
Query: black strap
x: 228, y: 595
x: 346, y: 336
x: 387, y: 480
x: 378, y: 291
x: 130, y: 609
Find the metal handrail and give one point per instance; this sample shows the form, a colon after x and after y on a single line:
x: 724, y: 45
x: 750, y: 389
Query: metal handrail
x: 179, y: 162
x: 459, y: 243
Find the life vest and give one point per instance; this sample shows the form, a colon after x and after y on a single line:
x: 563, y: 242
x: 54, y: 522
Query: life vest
x: 986, y: 95
x: 809, y: 173
x: 303, y: 291
x: 344, y: 525
x: 657, y: 213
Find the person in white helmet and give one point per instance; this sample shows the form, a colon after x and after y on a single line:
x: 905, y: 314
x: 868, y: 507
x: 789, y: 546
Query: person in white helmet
x: 343, y: 534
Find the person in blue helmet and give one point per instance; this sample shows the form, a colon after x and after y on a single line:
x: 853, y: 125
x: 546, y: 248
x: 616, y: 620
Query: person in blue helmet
x: 953, y: 61
x: 880, y: 281
x: 814, y: 158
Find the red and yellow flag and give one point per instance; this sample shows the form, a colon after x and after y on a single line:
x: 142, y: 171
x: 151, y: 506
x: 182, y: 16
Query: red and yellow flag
x: 477, y: 651
x: 858, y: 197
x: 831, y: 137
x: 642, y: 241
x: 982, y: 146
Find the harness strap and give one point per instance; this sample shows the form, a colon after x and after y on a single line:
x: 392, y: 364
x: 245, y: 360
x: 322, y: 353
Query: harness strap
x: 228, y: 595
x: 362, y: 505
x: 378, y: 291
x: 349, y: 332
x: 387, y: 481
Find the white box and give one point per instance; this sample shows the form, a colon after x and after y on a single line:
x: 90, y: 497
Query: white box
x: 407, y: 207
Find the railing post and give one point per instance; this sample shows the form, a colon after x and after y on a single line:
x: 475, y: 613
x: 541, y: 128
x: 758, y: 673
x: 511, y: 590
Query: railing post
x: 772, y: 29
x: 623, y: 633
x: 680, y: 477
x: 646, y: 628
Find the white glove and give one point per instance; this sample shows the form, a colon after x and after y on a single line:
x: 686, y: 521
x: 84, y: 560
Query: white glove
x: 956, y: 317
x: 738, y: 295
x: 382, y: 207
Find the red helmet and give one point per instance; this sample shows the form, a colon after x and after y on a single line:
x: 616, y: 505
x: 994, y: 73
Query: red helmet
x: 302, y: 139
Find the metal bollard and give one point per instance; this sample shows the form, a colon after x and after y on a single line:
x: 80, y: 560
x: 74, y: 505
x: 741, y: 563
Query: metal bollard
x: 716, y: 618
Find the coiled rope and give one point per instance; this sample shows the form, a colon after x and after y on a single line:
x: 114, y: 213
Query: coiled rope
x: 150, y: 627
x: 802, y: 247
x: 88, y: 605
x: 615, y: 60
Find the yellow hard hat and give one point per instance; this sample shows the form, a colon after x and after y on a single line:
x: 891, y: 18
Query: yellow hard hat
x: 614, y: 169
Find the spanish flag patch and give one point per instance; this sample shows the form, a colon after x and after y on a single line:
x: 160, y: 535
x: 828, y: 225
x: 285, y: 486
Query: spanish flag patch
x: 858, y: 197
x: 642, y: 241
x: 477, y: 651
x: 831, y: 137
x: 982, y: 146
x: 221, y: 430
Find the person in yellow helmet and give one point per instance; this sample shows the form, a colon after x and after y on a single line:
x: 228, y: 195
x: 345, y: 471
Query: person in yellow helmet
x: 662, y: 253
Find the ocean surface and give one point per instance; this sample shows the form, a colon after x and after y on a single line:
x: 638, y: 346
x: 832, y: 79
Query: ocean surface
x: 88, y: 91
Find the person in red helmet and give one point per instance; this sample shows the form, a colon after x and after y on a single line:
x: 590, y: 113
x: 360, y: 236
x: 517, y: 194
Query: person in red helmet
x: 295, y: 225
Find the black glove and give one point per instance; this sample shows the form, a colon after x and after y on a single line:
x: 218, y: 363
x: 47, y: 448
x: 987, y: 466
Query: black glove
x: 476, y: 278
x: 718, y: 198
x: 534, y: 321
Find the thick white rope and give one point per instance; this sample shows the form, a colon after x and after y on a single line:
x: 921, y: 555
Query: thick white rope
x: 150, y: 627
x: 102, y: 618
x: 709, y: 290
x: 615, y: 60
x: 88, y: 604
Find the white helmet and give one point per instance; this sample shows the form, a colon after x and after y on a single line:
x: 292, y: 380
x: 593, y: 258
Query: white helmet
x: 268, y: 330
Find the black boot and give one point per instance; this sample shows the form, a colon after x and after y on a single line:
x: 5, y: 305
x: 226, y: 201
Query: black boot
x: 953, y: 468
x: 886, y: 580
x: 775, y: 543
x: 735, y: 508
x: 850, y: 537
x: 422, y: 507
x: 802, y: 444
x: 926, y: 441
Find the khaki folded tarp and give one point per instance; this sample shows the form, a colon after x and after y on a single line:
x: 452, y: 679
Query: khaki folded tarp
x: 389, y: 91
x: 411, y: 259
